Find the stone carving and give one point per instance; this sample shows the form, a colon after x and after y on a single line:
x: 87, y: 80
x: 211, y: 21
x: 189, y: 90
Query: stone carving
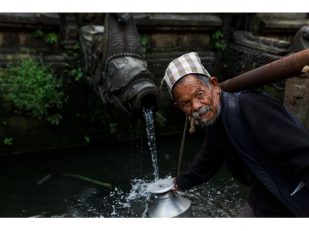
x: 301, y: 39
x: 296, y: 95
x: 250, y: 51
x: 267, y: 45
x: 114, y: 65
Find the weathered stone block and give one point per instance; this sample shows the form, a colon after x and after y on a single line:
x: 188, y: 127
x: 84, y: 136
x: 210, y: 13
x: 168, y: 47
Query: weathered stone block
x: 296, y: 97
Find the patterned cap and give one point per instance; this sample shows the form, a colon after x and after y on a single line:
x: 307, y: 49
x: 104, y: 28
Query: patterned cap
x: 189, y: 63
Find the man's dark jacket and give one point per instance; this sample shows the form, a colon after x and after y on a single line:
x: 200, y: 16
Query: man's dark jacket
x: 263, y: 146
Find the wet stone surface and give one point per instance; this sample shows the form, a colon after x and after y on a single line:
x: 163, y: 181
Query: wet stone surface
x: 220, y: 201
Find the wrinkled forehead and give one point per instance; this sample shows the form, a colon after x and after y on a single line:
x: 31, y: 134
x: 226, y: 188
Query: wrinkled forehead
x: 188, y: 85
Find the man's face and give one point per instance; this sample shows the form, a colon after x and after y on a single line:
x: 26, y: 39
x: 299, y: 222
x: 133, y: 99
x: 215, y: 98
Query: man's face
x: 197, y: 99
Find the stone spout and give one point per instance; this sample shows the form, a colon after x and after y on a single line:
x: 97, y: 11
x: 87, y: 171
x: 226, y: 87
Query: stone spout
x: 115, y: 67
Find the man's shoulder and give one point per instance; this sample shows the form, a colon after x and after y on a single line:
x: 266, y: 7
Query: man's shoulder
x: 243, y: 97
x: 251, y: 101
x: 248, y: 95
x: 253, y: 97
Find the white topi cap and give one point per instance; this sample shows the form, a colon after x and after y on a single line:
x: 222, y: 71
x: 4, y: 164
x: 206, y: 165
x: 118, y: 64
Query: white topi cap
x: 189, y: 63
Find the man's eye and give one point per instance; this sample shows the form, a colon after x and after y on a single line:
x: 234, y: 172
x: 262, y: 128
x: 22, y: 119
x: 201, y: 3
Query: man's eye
x: 200, y: 95
x: 185, y: 104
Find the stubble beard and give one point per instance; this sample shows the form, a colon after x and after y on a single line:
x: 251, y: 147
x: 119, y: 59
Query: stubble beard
x: 203, y: 109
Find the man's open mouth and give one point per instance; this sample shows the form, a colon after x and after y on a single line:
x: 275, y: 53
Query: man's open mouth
x: 204, y: 112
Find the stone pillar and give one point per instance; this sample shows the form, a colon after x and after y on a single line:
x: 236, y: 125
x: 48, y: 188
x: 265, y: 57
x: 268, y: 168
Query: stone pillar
x: 69, y: 29
x: 296, y: 97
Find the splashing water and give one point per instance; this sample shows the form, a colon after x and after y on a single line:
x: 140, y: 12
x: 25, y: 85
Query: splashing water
x: 140, y: 196
x: 208, y: 200
x: 137, y: 201
x: 134, y: 203
x: 148, y: 114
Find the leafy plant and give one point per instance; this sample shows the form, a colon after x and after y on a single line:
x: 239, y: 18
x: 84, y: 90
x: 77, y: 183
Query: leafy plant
x: 33, y: 89
x: 77, y: 47
x: 54, y: 119
x: 144, y: 41
x: 38, y: 33
x: 50, y: 38
x: 76, y: 73
x: 8, y: 141
x: 218, y: 40
x: 113, y: 128
x: 160, y: 119
x: 87, y: 139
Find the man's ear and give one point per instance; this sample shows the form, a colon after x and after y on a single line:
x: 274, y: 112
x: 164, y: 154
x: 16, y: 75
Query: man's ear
x: 213, y: 80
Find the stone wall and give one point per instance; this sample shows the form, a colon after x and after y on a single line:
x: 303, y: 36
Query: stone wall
x: 296, y: 97
x: 164, y: 35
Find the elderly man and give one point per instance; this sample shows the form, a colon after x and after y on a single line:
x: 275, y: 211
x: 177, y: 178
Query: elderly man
x: 252, y: 134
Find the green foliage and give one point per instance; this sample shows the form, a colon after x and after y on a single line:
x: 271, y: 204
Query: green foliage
x: 87, y: 139
x: 54, y: 119
x: 144, y: 41
x: 38, y: 33
x: 33, y: 89
x: 76, y: 73
x: 218, y: 40
x: 49, y: 38
x: 113, y: 128
x: 160, y: 119
x: 77, y: 47
x: 8, y: 141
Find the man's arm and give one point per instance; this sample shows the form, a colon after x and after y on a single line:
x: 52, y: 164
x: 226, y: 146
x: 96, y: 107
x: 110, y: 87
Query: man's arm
x: 206, y: 163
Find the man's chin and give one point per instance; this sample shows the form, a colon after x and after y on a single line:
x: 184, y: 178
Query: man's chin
x: 208, y: 120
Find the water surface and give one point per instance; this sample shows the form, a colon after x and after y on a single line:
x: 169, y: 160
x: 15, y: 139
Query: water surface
x: 39, y: 185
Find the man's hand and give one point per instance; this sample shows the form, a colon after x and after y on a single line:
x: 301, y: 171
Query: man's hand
x: 175, y: 188
x: 193, y: 122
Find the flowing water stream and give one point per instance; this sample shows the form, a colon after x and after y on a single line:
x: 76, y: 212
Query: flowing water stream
x: 150, y: 128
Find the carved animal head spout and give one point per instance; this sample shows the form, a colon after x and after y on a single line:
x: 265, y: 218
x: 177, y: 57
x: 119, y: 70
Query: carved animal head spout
x: 115, y: 67
x: 129, y: 85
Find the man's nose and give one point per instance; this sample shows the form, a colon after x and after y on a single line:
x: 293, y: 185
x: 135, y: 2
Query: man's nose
x: 196, y: 105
